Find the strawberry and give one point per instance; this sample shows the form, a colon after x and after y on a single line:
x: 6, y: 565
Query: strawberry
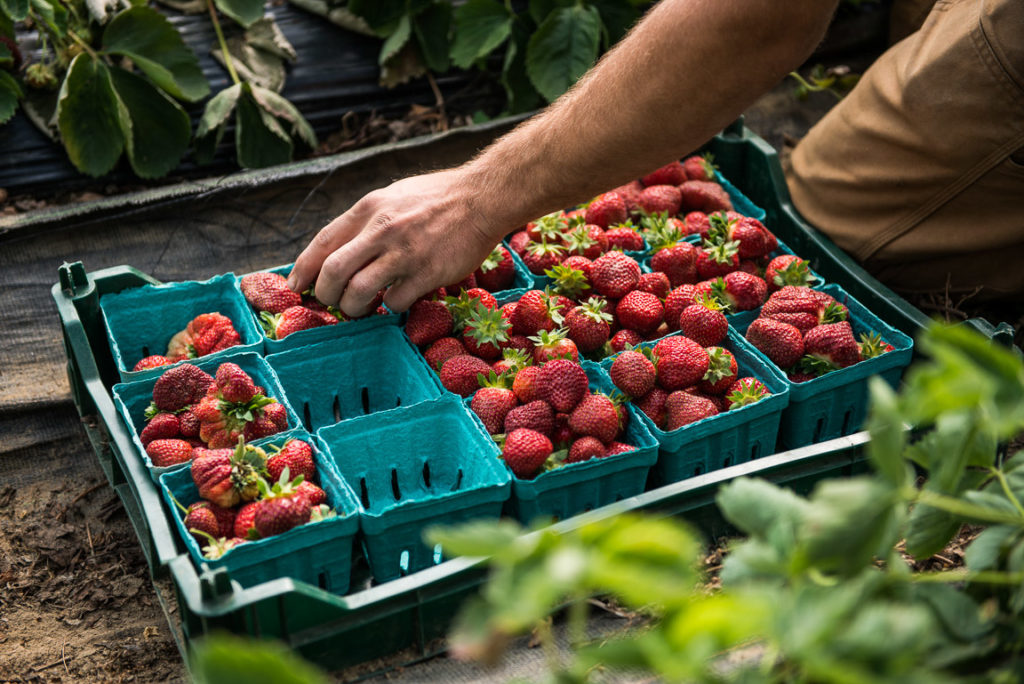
x: 630, y: 192
x: 314, y: 494
x: 478, y: 296
x: 291, y: 320
x: 680, y: 364
x: 633, y: 373
x: 443, y: 349
x: 533, y: 313
x: 745, y: 391
x: 752, y: 238
x: 703, y: 196
x: 525, y: 384
x: 579, y: 263
x: 154, y: 361
x: 618, y: 448
x: 205, y: 334
x: 497, y: 272
x: 188, y: 423
x: 268, y: 292
x: 234, y: 384
x: 657, y: 283
x: 697, y: 222
x: 658, y: 199
x: 168, y: 452
x: 568, y: 282
x: 562, y: 435
x: 607, y: 209
x: 161, y: 426
x: 269, y: 420
x: 525, y: 451
x: 562, y: 383
x: 833, y: 344
x: 589, y: 325
x: 677, y: 300
x: 624, y: 238
x: 584, y: 449
x: 554, y: 345
x: 699, y: 168
x: 586, y: 240
x: 228, y: 476
x: 703, y: 322
x: 517, y: 243
x: 721, y: 373
x: 210, y: 518
x: 683, y: 408
x: 803, y: 307
x: 640, y: 311
x: 787, y: 269
x: 493, y: 401
x: 180, y: 386
x: 614, y: 274
x: 781, y: 342
x: 297, y: 456
x: 486, y: 332
x: 512, y: 361
x: 535, y: 415
x: 740, y: 290
x: 455, y: 289
x: 714, y: 260
x: 624, y: 339
x: 281, y: 507
x: 872, y: 345
x: 540, y: 256
x: 460, y: 374
x: 244, y: 527
x: 222, y: 422
x: 653, y: 405
x: 215, y: 547
x: 596, y: 416
x: 550, y: 228
x: 672, y: 173
x: 428, y: 322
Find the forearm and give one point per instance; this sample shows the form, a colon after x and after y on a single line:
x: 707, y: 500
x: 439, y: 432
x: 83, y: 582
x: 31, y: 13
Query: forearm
x: 683, y: 73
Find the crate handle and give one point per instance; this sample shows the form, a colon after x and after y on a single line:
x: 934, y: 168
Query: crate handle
x: 73, y: 279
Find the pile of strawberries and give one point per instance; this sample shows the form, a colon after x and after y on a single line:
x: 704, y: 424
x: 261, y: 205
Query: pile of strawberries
x: 807, y: 333
x: 283, y: 312
x: 205, y: 334
x: 680, y: 381
x: 192, y: 409
x: 239, y: 505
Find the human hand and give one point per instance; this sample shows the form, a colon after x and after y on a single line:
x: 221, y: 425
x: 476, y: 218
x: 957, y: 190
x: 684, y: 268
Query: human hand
x: 413, y: 236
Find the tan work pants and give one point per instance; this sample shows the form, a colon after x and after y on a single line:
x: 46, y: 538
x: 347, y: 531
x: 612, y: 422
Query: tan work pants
x: 919, y: 171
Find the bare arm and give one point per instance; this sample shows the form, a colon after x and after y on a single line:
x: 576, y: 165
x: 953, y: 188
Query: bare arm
x: 683, y: 73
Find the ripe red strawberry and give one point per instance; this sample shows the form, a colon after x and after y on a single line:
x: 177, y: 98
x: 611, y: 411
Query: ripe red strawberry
x: 653, y: 405
x: 536, y: 415
x: 188, y: 423
x: 268, y: 292
x: 704, y: 322
x: 567, y: 282
x: 222, y: 422
x: 460, y: 374
x: 618, y: 448
x: 624, y: 238
x: 486, y: 333
x: 700, y: 168
x: 640, y: 311
x: 168, y: 452
x: 443, y: 349
x: 633, y: 373
x: 614, y: 274
x: 697, y: 222
x: 281, y: 509
x: 747, y: 390
x: 455, y: 289
x: 479, y: 296
x: 578, y: 263
x: 678, y: 261
x: 721, y: 373
x: 624, y: 339
x: 803, y: 307
x: 704, y: 196
x: 292, y: 320
x: 554, y: 345
x: 517, y: 243
x: 525, y: 451
x: 497, y: 272
x: 512, y: 361
x: 297, y: 456
x: 428, y: 322
x: 244, y: 527
x: 589, y: 325
x: 533, y: 313
x: 832, y: 343
x: 780, y: 342
x: 267, y: 420
x: 607, y: 209
x: 205, y: 334
x: 787, y: 269
x: 872, y: 345
x: 629, y: 193
x: 161, y: 426
x: 677, y: 300
x: 680, y: 365
x: 740, y: 290
x: 551, y: 228
x: 657, y: 283
x: 540, y: 256
x: 493, y: 401
x: 714, y: 260
x: 312, y: 492
x: 210, y: 518
x: 586, y: 240
x: 234, y: 384
x: 660, y: 199
x: 525, y: 384
x: 586, y: 448
x: 683, y: 408
x: 180, y: 386
x: 562, y: 435
x: 596, y: 416
x: 562, y: 383
x: 228, y: 476
x: 672, y: 173
x: 154, y: 361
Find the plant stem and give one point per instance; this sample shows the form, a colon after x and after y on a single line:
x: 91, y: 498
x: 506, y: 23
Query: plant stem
x: 85, y: 46
x: 965, y: 575
x: 577, y: 621
x: 814, y: 88
x: 963, y: 508
x: 1007, y: 491
x: 223, y: 43
x: 547, y: 641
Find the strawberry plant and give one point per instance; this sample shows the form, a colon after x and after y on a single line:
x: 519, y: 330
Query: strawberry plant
x: 817, y: 591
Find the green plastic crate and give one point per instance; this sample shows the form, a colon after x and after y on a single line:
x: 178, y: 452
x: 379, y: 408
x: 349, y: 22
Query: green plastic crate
x: 412, y: 467
x: 318, y: 553
x: 133, y: 398
x: 352, y: 376
x: 141, y: 321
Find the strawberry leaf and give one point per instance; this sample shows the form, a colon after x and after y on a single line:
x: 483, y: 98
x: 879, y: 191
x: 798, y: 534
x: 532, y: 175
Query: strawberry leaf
x: 259, y: 138
x: 158, y: 130
x: 480, y: 27
x: 15, y: 9
x: 564, y: 47
x: 245, y: 12
x: 431, y: 28
x: 89, y: 115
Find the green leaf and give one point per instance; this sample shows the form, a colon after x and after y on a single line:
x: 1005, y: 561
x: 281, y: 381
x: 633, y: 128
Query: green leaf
x: 6, y: 56
x: 960, y: 615
x: 381, y: 15
x: 259, y: 139
x: 266, y: 36
x: 89, y: 116
x: 53, y: 15
x: 431, y: 27
x: 848, y: 523
x: 228, y: 659
x: 397, y: 40
x: 245, y: 12
x: 156, y: 47
x: 985, y: 551
x: 15, y: 9
x: 539, y: 10
x: 476, y: 537
x: 564, y: 47
x: 888, y: 437
x: 480, y: 27
x: 283, y: 109
x: 756, y: 506
x: 618, y: 17
x: 218, y: 110
x: 929, y: 530
x: 521, y: 95
x: 159, y: 130
x: 10, y: 93
x: 993, y: 500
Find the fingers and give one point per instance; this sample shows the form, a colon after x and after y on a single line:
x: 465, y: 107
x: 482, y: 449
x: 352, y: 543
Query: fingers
x: 363, y: 287
x: 341, y: 265
x: 331, y: 237
x: 401, y: 295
